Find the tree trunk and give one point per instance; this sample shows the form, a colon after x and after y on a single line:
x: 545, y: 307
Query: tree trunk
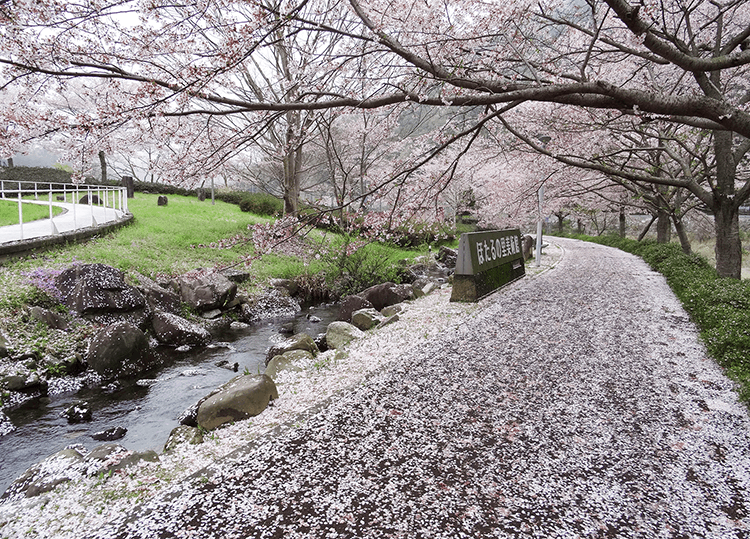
x: 580, y: 226
x: 726, y: 210
x: 10, y: 162
x: 560, y: 222
x: 622, y: 222
x: 292, y: 166
x: 646, y: 228
x: 728, y: 245
x: 663, y: 227
x: 103, y: 163
x: 682, y: 234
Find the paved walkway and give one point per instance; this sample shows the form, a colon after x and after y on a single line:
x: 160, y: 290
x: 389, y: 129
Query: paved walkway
x: 74, y: 217
x: 578, y: 403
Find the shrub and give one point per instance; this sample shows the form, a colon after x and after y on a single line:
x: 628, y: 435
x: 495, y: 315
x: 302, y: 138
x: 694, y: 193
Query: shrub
x: 261, y: 204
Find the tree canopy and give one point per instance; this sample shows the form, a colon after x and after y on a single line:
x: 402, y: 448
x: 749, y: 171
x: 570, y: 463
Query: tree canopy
x: 196, y: 79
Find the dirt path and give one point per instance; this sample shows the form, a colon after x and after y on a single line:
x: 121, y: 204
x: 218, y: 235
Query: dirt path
x: 577, y: 404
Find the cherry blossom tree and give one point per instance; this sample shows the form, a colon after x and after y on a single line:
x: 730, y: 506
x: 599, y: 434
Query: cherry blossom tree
x: 677, y: 62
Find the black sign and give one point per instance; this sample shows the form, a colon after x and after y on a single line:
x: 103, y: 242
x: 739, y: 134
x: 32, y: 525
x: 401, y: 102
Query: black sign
x: 486, y: 261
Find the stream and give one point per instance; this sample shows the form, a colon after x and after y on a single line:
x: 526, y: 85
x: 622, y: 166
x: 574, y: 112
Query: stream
x: 147, y: 406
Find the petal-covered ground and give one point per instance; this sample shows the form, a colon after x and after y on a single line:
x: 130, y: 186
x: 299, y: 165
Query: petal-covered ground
x: 579, y: 403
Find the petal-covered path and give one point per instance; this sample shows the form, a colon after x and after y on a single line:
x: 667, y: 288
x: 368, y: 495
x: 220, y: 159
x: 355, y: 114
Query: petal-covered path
x: 576, y: 404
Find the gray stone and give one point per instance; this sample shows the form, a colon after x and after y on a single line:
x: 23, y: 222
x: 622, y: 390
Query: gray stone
x: 107, y: 458
x: 365, y: 319
x: 44, y: 476
x: 174, y: 330
x: 6, y: 425
x: 109, y: 435
x: 49, y: 318
x: 94, y: 199
x: 162, y: 200
x: 447, y: 256
x: 183, y: 435
x: 4, y: 345
x: 18, y: 377
x: 339, y: 334
x: 390, y: 320
x: 79, y: 412
x: 385, y: 294
x: 286, y: 361
x: 527, y: 247
x: 274, y: 304
x: 133, y: 459
x: 235, y: 275
x: 350, y: 304
x: 242, y: 397
x: 392, y: 309
x: 423, y: 289
x: 301, y: 341
x: 120, y: 349
x: 70, y: 365
x: 213, y: 313
x: 206, y: 292
x: 286, y: 285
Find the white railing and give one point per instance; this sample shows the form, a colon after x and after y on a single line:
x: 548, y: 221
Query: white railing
x: 91, y: 205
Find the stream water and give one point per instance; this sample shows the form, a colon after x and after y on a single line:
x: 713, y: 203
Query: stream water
x: 148, y: 407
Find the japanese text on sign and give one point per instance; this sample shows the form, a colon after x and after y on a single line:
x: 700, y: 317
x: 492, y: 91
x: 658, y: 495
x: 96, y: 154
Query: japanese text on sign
x: 489, y: 251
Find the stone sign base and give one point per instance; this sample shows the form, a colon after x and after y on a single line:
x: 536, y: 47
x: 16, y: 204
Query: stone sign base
x: 469, y: 288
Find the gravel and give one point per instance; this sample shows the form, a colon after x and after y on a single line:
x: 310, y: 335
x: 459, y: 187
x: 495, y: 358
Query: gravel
x: 577, y: 403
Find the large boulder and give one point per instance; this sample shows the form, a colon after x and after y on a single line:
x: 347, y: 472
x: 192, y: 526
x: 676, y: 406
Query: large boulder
x: 120, y: 349
x: 17, y: 376
x: 42, y: 477
x: 174, y: 330
x: 100, y: 291
x: 365, y: 319
x: 207, y: 291
x: 273, y: 304
x: 339, y: 334
x: 301, y: 341
x: 242, y: 397
x: 157, y: 297
x: 107, y: 458
x: 385, y: 294
x: 4, y: 345
x: 350, y: 304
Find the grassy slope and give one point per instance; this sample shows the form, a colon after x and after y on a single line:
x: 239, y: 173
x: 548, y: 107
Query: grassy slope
x: 161, y: 239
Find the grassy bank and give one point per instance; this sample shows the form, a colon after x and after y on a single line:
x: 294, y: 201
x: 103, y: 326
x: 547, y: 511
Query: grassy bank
x: 720, y: 307
x: 166, y: 241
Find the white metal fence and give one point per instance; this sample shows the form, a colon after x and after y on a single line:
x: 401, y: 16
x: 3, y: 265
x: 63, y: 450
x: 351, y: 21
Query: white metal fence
x: 90, y: 205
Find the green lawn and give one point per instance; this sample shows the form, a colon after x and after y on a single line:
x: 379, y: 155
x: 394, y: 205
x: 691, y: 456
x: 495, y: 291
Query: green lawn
x: 31, y: 212
x: 171, y: 240
x: 164, y: 239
